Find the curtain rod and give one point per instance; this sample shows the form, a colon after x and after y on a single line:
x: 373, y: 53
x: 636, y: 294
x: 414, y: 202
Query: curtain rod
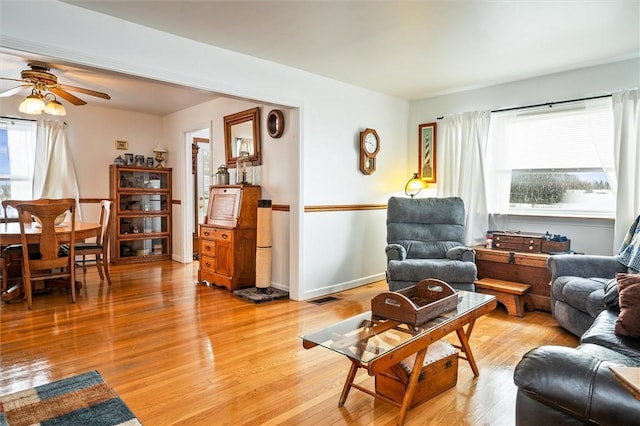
x: 17, y: 118
x: 550, y: 104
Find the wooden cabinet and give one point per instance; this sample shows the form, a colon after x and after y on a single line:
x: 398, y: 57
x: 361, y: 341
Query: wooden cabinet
x: 141, y: 229
x: 520, y: 267
x: 228, y: 237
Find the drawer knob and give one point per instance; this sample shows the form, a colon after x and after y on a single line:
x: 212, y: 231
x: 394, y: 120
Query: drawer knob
x: 208, y: 265
x: 206, y: 233
x: 224, y: 236
x: 207, y: 248
x: 497, y: 244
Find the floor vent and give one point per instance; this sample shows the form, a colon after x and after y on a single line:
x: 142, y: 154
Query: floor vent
x: 324, y: 300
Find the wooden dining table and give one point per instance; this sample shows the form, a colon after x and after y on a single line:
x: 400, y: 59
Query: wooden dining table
x: 10, y: 234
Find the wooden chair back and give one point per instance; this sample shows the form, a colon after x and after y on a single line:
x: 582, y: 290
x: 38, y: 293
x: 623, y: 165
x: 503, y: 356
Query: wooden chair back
x: 47, y: 262
x: 105, y: 222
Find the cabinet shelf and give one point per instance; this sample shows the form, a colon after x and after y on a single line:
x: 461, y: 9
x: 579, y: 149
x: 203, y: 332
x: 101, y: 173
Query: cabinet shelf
x: 142, y: 214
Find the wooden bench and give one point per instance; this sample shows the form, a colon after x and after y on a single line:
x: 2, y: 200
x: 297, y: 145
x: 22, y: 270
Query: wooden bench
x: 514, y: 296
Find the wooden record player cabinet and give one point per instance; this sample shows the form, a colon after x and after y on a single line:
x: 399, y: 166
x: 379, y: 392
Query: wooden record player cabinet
x: 228, y: 237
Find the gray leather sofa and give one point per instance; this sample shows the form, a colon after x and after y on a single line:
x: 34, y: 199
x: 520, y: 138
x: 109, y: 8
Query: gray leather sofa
x: 578, y: 286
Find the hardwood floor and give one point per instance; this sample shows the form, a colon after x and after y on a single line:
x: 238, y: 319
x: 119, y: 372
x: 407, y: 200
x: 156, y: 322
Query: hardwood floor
x: 179, y: 353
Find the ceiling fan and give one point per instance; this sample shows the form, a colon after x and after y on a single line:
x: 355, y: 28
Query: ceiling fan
x: 41, y: 80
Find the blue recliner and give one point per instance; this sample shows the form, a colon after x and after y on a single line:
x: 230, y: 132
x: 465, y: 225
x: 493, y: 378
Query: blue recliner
x: 426, y: 239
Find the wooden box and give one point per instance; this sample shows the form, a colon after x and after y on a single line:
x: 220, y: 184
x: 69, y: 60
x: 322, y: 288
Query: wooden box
x: 416, y: 304
x: 439, y: 373
x: 520, y: 242
x: 521, y: 267
x: 528, y: 242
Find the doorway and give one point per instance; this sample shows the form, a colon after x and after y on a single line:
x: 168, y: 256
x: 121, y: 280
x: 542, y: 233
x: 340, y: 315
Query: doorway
x: 201, y: 178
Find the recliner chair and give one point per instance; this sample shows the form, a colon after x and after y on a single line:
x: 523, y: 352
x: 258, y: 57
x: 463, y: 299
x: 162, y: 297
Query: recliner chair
x: 426, y: 239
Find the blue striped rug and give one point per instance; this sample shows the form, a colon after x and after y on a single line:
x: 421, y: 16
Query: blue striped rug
x: 80, y: 400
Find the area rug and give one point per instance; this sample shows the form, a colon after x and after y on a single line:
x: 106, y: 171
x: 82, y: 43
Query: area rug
x: 80, y: 400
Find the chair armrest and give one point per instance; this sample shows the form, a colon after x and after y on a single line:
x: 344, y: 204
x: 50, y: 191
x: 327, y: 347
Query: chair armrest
x: 395, y: 252
x: 465, y: 254
x: 585, y: 266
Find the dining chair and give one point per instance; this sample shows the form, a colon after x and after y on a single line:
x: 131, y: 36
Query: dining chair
x: 100, y: 248
x: 10, y: 262
x: 48, y: 261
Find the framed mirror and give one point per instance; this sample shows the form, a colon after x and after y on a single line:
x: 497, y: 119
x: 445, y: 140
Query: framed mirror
x: 242, y: 133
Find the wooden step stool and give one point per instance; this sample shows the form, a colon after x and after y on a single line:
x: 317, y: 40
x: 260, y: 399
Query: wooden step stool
x: 514, y: 296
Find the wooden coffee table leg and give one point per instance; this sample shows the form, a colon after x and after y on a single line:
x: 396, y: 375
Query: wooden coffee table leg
x: 411, y: 386
x: 347, y: 384
x: 466, y: 348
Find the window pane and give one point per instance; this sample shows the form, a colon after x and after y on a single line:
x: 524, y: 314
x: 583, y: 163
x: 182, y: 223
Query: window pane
x: 17, y: 153
x: 557, y: 161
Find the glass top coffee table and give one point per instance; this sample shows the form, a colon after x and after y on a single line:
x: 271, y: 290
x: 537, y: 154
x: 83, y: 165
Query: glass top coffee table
x: 377, y: 344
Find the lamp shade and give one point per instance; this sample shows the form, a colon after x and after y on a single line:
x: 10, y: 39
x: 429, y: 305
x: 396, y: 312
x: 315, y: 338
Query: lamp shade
x: 55, y: 108
x: 33, y: 104
x: 414, y: 186
x: 160, y: 148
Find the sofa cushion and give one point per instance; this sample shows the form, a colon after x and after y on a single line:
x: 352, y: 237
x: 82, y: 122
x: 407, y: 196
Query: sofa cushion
x: 584, y: 294
x: 628, y: 321
x: 443, y: 269
x: 602, y: 333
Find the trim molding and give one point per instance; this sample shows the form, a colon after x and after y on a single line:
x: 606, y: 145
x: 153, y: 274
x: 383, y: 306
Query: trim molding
x: 344, y: 207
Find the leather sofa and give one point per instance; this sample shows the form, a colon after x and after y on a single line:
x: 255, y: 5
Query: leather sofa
x: 574, y: 386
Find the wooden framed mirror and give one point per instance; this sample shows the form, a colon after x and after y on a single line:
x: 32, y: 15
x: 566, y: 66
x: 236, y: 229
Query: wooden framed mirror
x: 242, y: 133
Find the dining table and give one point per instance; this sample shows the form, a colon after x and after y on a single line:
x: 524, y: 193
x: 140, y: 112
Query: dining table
x: 10, y: 234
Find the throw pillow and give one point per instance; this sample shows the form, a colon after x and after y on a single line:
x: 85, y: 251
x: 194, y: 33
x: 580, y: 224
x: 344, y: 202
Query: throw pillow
x: 628, y: 322
x: 610, y: 298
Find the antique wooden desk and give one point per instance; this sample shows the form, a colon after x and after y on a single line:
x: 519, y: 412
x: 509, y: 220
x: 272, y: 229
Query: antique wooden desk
x: 377, y: 345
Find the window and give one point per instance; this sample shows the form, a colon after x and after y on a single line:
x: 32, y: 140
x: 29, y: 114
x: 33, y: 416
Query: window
x: 553, y: 161
x: 17, y: 154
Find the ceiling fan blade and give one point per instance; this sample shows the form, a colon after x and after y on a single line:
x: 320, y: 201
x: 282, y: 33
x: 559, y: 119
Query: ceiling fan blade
x: 14, y: 79
x: 85, y: 91
x: 14, y: 90
x: 66, y: 95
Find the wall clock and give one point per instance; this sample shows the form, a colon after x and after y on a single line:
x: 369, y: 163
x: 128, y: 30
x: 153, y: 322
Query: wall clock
x: 369, y: 148
x: 275, y: 123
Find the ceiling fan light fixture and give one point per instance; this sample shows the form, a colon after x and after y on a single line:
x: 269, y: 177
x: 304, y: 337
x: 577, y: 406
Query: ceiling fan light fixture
x: 54, y: 107
x: 33, y: 104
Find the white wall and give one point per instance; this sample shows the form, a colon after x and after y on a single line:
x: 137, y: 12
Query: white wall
x: 92, y: 134
x: 593, y: 236
x: 322, y: 167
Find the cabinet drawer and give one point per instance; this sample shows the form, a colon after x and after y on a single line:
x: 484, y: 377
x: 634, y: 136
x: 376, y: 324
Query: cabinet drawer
x: 219, y: 234
x: 207, y: 248
x: 208, y: 263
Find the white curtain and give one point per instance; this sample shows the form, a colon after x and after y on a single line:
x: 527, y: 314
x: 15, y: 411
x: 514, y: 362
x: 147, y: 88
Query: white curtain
x: 461, y: 167
x: 54, y: 173
x: 626, y: 151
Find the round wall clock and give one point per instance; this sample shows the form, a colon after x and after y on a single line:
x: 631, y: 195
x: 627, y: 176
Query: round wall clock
x: 369, y: 148
x: 275, y: 123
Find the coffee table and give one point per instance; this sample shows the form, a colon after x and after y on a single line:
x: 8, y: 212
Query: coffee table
x: 377, y: 344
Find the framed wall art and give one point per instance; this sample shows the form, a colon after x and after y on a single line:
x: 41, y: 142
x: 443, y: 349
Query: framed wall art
x: 427, y: 152
x: 124, y: 145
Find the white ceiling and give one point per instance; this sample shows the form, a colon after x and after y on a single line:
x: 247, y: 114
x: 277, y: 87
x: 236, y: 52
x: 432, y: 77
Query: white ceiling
x: 408, y: 49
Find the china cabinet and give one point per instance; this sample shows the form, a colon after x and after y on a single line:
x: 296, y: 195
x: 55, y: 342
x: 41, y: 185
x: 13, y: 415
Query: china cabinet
x: 141, y: 230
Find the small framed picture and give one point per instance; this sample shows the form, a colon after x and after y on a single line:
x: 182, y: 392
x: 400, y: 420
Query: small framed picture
x: 140, y: 160
x: 124, y: 145
x: 427, y: 152
x: 149, y: 161
x: 128, y: 159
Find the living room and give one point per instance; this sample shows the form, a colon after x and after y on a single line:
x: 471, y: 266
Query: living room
x: 320, y: 152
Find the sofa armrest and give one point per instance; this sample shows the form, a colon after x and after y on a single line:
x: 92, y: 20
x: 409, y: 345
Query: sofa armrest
x: 462, y: 253
x: 574, y: 382
x: 395, y: 252
x: 585, y: 266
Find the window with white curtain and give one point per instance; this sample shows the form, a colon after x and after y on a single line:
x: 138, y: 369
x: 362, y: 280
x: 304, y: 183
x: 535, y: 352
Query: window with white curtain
x: 553, y: 160
x: 17, y: 154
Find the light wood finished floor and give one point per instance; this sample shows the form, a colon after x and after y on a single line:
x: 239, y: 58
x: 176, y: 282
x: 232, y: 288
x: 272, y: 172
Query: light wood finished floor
x: 179, y: 353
